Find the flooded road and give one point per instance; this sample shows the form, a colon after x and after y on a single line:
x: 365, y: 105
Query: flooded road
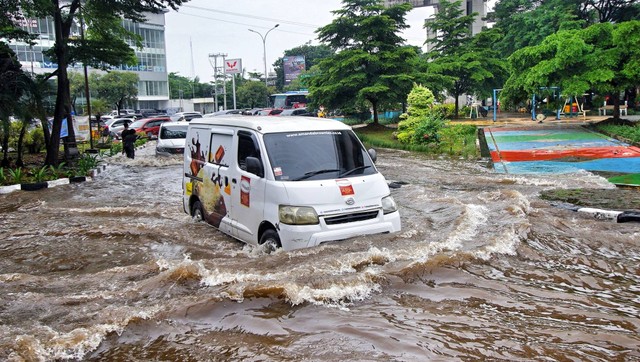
x: 113, y: 270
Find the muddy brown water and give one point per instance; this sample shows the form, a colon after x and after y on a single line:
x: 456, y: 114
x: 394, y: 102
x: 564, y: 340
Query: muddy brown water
x: 113, y: 270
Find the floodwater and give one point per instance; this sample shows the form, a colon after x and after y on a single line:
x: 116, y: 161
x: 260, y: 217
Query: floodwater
x: 113, y: 270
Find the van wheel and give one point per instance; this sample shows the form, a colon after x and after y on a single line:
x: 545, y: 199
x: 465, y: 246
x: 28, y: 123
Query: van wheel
x: 270, y: 241
x: 196, y: 211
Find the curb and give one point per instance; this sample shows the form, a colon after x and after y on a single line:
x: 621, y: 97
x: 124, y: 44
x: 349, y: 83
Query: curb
x: 601, y: 214
x: 48, y: 184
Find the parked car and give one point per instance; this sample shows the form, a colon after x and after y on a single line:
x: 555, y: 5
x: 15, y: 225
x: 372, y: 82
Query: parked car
x: 146, y: 113
x: 223, y: 113
x: 269, y: 112
x: 149, y: 126
x: 171, y: 138
x: 185, y: 116
x: 116, y: 125
x: 251, y: 112
x: 123, y: 112
x: 296, y: 112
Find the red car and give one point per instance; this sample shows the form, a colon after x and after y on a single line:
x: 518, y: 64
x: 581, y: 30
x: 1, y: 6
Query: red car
x: 149, y: 126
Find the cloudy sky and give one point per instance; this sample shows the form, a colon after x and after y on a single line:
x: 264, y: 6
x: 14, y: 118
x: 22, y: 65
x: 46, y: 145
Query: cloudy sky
x: 203, y: 27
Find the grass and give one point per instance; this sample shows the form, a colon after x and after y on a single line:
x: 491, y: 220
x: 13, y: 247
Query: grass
x: 630, y: 179
x: 382, y: 136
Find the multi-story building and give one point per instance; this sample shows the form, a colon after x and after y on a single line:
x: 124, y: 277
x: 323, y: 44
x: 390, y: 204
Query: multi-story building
x: 468, y: 7
x: 153, y: 86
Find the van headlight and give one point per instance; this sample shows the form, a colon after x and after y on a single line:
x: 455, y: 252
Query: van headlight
x: 389, y: 205
x: 297, y: 215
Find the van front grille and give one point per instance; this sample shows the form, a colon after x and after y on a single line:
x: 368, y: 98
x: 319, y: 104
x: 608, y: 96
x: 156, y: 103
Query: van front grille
x: 347, y: 218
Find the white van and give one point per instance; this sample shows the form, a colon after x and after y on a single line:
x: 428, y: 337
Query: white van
x: 292, y: 183
x: 171, y: 138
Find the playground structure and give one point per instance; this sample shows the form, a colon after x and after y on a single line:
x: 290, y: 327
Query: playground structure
x: 552, y: 98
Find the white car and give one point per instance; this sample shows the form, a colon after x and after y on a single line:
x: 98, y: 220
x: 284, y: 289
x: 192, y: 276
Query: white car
x: 171, y: 138
x: 185, y: 116
x: 116, y: 126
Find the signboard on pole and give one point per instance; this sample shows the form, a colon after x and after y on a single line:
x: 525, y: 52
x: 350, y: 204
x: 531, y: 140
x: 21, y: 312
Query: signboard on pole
x: 293, y: 65
x: 233, y: 66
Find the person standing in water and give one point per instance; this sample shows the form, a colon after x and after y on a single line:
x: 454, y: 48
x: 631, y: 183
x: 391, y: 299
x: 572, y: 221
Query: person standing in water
x: 128, y: 141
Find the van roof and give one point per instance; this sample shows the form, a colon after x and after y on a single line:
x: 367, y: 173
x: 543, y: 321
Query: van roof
x: 269, y: 124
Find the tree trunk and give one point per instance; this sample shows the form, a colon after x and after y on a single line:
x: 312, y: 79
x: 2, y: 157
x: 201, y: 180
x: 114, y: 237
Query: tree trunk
x: 456, y: 110
x: 63, y: 97
x: 616, y: 106
x: 5, y: 144
x: 374, y: 105
x: 23, y: 130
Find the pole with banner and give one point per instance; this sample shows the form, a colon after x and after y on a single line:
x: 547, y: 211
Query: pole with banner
x: 233, y: 67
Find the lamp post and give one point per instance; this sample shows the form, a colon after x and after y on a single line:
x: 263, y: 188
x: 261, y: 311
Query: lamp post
x: 264, y: 49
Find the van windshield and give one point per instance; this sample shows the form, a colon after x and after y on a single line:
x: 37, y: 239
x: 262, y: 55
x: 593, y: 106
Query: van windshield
x: 317, y: 155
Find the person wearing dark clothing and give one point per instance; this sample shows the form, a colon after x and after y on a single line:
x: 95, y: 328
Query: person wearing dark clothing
x: 128, y: 141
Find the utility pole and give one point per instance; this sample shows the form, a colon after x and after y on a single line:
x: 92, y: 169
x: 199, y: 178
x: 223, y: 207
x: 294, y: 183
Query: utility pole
x: 215, y: 57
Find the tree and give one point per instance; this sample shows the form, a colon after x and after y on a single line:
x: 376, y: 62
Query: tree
x: 466, y: 62
x: 76, y: 88
x: 603, y: 57
x: 312, y: 55
x: 105, y: 43
x: 12, y: 87
x: 371, y: 64
x: 523, y: 23
x: 116, y: 88
x: 252, y: 94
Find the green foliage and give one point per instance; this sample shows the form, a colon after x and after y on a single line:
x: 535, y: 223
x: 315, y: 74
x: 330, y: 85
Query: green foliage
x: 421, y: 124
x: 252, y: 94
x: 56, y: 172
x: 631, y: 133
x: 116, y: 149
x: 466, y: 64
x: 17, y: 175
x: 455, y: 138
x: 3, y: 177
x: 86, y: 163
x: 602, y: 58
x: 40, y: 174
x: 371, y: 63
x: 35, y: 140
x: 116, y: 88
x: 445, y: 111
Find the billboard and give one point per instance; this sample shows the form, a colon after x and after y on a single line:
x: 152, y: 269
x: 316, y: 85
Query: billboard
x: 293, y: 65
x: 233, y: 66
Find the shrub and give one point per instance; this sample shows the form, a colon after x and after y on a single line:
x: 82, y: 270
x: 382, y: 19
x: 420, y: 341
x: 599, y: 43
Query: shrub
x: 35, y: 142
x: 86, y: 163
x: 17, y: 176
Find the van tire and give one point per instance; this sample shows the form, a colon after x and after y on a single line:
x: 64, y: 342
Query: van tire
x: 270, y: 241
x: 196, y: 211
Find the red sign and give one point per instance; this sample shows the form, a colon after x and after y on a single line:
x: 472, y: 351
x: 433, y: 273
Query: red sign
x: 346, y: 189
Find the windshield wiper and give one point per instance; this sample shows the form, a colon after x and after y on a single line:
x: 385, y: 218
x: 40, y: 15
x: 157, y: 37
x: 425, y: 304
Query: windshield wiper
x: 313, y: 173
x: 359, y: 168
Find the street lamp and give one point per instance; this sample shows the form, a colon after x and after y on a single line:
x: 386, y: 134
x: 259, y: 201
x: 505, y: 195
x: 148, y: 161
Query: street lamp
x: 264, y: 49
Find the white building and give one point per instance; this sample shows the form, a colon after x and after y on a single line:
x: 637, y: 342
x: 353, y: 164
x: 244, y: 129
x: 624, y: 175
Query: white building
x: 153, y: 87
x: 468, y: 7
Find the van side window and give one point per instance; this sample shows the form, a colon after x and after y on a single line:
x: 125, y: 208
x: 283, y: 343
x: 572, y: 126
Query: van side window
x: 247, y: 147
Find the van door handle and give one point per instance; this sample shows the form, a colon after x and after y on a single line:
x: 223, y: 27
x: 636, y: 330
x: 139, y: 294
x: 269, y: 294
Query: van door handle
x: 234, y: 181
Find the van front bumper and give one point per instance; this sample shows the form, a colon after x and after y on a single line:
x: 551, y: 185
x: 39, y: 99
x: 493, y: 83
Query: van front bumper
x: 303, y: 236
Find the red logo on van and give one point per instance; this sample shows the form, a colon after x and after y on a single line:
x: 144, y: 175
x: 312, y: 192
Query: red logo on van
x: 345, y: 187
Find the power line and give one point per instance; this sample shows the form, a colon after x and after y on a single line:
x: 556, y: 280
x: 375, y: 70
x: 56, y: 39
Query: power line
x: 280, y: 21
x: 243, y: 24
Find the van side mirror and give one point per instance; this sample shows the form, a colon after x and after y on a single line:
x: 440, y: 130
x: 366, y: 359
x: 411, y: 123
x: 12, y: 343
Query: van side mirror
x: 372, y: 154
x: 254, y: 166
